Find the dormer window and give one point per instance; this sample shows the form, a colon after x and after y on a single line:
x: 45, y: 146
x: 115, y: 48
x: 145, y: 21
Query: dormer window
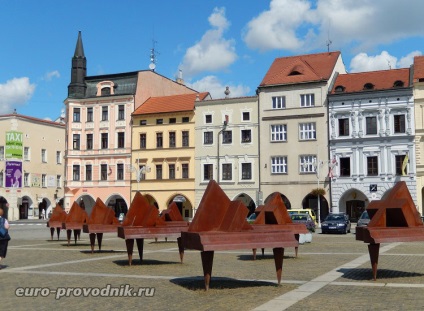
x: 368, y: 86
x: 105, y: 88
x: 339, y: 89
x: 398, y: 83
x: 296, y: 70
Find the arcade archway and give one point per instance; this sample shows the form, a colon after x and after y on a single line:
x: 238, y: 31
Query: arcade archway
x: 311, y: 201
x: 247, y: 201
x: 283, y: 197
x: 184, y: 205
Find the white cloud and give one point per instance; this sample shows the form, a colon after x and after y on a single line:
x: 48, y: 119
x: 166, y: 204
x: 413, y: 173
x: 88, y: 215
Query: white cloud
x: 305, y: 25
x: 213, y: 52
x: 364, y: 62
x: 216, y: 88
x: 14, y: 93
x: 52, y: 74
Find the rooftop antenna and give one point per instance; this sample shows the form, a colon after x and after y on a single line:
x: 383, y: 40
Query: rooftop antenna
x: 388, y: 63
x: 153, y: 54
x: 328, y: 43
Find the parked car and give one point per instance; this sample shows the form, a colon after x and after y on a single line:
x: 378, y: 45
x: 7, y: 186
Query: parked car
x: 363, y: 220
x: 336, y: 222
x: 308, y: 211
x: 304, y: 219
x: 251, y: 218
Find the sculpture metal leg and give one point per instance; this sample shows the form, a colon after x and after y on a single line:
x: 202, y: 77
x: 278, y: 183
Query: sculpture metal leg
x: 254, y: 253
x: 68, y: 235
x: 140, y: 245
x: 207, y: 263
x: 374, y: 250
x: 130, y: 246
x: 278, y: 258
x: 99, y: 240
x: 51, y: 232
x: 58, y: 232
x: 180, y: 249
x: 92, y: 241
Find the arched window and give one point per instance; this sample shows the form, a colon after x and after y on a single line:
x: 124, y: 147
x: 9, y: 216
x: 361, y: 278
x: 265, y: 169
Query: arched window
x: 339, y: 89
x: 398, y: 83
x: 368, y: 86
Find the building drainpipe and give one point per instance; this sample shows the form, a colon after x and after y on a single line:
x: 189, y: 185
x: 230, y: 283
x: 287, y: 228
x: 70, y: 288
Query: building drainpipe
x: 259, y: 150
x: 223, y: 129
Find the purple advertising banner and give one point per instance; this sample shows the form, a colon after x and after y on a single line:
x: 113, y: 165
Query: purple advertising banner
x: 13, y: 174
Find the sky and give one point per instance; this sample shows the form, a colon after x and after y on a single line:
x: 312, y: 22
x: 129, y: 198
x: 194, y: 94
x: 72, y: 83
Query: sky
x: 213, y: 43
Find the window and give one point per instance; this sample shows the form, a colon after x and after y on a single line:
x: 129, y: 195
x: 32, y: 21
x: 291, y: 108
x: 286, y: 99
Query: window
x: 184, y: 168
x: 401, y: 162
x: 245, y: 116
x: 159, y: 140
x: 399, y: 123
x: 44, y: 155
x: 307, y: 100
x: 104, y: 113
x: 307, y: 131
x: 121, y: 140
x: 279, y: 132
x: 371, y: 125
x: 208, y: 118
x: 77, y: 115
x: 159, y: 121
x: 76, y: 141
x: 185, y: 138
x: 88, y: 172
x: 372, y: 166
x: 142, y: 170
x: 246, y: 136
x: 120, y: 171
x: 43, y: 181
x: 104, y: 141
x: 278, y: 102
x: 246, y: 171
x: 172, y: 120
x: 279, y: 165
x: 207, y: 171
x: 307, y: 163
x: 344, y: 127
x: 103, y: 171
x: 105, y: 91
x: 89, y: 141
x: 143, y: 122
x: 171, y: 139
x: 26, y: 179
x: 90, y: 114
x: 2, y: 153
x: 208, y: 138
x: 121, y: 112
x: 26, y: 154
x: 159, y: 171
x: 143, y: 141
x: 171, y: 171
x: 76, y: 173
x: 344, y: 167
x: 227, y: 137
x: 227, y: 171
x: 58, y: 181
x: 186, y: 119
x: 58, y: 157
x: 1, y: 179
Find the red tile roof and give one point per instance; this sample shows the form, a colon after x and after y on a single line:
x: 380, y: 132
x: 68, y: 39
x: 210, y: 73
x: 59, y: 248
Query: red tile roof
x: 302, y: 68
x: 173, y: 103
x: 418, y: 68
x: 381, y: 80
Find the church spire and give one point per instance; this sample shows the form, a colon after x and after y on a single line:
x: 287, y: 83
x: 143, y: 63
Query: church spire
x: 77, y: 87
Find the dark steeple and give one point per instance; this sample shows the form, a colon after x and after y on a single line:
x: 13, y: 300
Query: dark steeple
x: 77, y: 87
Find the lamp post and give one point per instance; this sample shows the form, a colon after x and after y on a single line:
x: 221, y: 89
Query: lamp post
x: 317, y: 168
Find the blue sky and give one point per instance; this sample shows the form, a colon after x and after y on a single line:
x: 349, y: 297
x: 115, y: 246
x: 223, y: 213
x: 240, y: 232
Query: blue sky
x: 215, y: 43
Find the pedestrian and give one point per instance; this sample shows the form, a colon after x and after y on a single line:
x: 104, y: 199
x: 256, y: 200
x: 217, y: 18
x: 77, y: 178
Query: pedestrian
x: 43, y: 213
x: 5, y: 237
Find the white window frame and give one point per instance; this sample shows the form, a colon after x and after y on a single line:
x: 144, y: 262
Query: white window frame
x: 307, y: 100
x: 203, y: 138
x: 278, y: 102
x: 279, y: 165
x: 242, y: 115
x: 27, y: 180
x: 241, y: 136
x: 43, y: 180
x: 2, y: 153
x: 307, y: 131
x: 58, y: 157
x: 44, y: 155
x: 307, y: 163
x: 241, y: 171
x: 278, y: 132
x: 222, y: 172
x: 203, y: 172
x: 27, y: 154
x: 58, y: 181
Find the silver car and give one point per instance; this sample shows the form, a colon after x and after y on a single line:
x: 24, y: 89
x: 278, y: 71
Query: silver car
x: 363, y: 220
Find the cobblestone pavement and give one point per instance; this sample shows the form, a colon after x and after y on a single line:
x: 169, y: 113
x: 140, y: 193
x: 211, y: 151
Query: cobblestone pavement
x: 331, y: 273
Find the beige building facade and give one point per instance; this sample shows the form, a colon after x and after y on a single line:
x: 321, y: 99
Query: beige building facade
x: 31, y: 180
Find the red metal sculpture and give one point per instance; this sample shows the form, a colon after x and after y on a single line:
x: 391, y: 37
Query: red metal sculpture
x: 220, y: 224
x: 143, y: 222
x: 274, y: 216
x: 393, y: 219
x: 56, y: 220
x: 102, y: 220
x: 74, y: 222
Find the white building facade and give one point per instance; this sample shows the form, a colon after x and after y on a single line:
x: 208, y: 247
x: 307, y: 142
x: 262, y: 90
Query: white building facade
x: 371, y: 138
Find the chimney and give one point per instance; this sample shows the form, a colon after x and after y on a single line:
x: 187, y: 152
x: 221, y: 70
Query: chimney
x: 180, y: 79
